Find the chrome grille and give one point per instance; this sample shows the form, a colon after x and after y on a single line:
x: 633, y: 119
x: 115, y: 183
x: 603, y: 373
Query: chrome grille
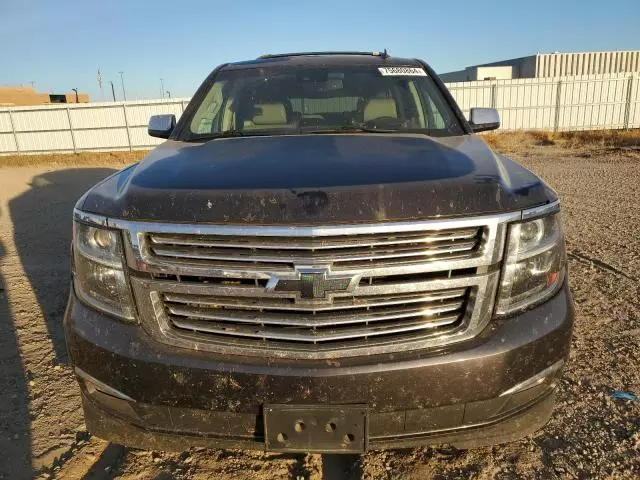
x: 340, y: 251
x: 345, y: 319
x: 234, y: 289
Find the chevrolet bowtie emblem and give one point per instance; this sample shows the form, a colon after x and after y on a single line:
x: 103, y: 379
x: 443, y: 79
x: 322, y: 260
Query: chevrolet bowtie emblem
x: 313, y: 283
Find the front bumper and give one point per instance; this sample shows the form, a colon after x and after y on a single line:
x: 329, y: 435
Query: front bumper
x: 141, y: 393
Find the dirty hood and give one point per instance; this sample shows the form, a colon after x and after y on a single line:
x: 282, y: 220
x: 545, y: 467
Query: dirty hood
x: 314, y: 179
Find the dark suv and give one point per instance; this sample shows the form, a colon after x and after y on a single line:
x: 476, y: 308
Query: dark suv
x: 322, y: 257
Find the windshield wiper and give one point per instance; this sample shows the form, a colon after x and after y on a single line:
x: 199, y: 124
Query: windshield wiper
x: 230, y: 133
x: 213, y: 136
x: 348, y: 129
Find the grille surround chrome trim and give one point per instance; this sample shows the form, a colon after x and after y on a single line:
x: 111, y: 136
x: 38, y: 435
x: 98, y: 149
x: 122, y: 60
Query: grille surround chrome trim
x: 90, y: 218
x: 477, y: 316
x: 139, y: 257
x: 541, y: 211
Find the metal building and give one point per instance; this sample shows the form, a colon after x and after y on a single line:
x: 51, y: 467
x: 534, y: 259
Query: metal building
x: 543, y: 65
x: 21, y: 95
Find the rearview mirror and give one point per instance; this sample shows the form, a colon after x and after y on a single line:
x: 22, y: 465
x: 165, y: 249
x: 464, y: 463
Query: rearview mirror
x: 161, y: 126
x: 483, y: 119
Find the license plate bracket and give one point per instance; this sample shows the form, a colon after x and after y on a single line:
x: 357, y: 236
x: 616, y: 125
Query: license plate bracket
x: 316, y: 428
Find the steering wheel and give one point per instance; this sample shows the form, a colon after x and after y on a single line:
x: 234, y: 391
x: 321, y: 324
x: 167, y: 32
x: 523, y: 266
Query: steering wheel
x: 311, y: 122
x: 383, y: 122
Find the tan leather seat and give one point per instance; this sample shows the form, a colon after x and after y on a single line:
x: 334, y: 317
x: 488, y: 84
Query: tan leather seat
x: 380, y: 107
x: 268, y: 115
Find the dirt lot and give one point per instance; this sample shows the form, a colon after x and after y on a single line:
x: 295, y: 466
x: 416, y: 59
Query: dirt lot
x: 591, y: 435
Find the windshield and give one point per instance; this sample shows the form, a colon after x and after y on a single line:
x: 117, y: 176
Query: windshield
x: 293, y: 101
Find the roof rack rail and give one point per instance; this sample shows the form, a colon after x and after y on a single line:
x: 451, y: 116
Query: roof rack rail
x: 382, y: 54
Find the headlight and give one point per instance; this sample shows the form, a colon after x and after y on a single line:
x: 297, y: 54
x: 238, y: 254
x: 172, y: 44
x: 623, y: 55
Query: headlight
x: 98, y: 272
x: 535, y: 264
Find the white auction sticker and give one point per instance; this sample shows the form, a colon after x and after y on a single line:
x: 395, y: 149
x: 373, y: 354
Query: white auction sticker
x: 409, y: 71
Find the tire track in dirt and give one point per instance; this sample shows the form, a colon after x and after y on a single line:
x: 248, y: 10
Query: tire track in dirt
x: 596, y: 262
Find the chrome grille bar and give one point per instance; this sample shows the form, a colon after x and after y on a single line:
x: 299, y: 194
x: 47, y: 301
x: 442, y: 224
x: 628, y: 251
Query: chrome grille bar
x: 285, y: 318
x: 286, y: 304
x: 311, y: 336
x: 315, y: 243
x: 411, y: 241
x: 284, y: 256
x: 191, y: 313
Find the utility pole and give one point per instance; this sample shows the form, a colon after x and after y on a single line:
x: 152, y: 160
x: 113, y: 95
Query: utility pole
x: 76, y: 90
x: 169, y: 94
x: 162, y: 88
x: 113, y: 91
x: 124, y: 94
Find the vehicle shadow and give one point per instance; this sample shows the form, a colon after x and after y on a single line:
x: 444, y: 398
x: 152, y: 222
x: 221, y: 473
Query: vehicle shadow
x: 42, y: 222
x: 346, y: 467
x: 333, y: 466
x: 15, y: 437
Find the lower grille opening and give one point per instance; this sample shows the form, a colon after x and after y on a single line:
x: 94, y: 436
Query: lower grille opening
x: 347, y: 321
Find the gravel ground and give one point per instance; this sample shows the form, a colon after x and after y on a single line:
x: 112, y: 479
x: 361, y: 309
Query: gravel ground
x: 591, y: 434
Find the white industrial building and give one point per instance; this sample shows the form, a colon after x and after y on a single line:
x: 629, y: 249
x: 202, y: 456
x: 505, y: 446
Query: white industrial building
x: 555, y: 64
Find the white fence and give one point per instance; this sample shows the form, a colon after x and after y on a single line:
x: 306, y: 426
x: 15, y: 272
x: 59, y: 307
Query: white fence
x: 564, y: 103
x: 587, y: 102
x: 79, y: 127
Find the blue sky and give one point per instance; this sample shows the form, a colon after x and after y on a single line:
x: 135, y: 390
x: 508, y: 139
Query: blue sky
x: 59, y: 45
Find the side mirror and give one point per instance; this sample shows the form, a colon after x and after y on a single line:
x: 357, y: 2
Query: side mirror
x: 483, y: 119
x: 161, y: 126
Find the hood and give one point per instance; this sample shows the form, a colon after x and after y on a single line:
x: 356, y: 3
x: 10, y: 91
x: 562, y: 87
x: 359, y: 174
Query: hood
x: 318, y: 179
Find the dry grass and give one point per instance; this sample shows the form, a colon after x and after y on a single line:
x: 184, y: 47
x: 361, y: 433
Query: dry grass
x: 593, y: 139
x: 73, y: 159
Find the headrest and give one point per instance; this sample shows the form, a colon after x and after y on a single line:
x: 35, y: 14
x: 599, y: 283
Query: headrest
x: 380, y: 107
x: 270, y: 114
